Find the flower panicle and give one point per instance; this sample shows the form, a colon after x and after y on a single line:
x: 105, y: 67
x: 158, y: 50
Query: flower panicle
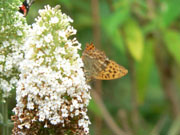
x: 13, y: 30
x: 52, y: 90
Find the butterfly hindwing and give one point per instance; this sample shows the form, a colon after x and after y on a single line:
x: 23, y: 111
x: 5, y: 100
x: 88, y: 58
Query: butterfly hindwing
x: 112, y: 71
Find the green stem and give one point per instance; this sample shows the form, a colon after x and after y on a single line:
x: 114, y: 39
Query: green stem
x: 5, y: 117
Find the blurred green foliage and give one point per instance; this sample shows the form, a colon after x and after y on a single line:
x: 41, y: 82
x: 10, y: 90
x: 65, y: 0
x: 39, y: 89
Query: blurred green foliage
x: 144, y: 37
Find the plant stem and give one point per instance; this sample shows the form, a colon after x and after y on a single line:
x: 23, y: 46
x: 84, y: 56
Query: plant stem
x: 135, y: 113
x: 106, y: 115
x: 166, y: 76
x: 5, y: 117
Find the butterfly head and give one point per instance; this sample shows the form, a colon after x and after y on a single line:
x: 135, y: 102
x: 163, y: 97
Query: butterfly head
x: 89, y: 47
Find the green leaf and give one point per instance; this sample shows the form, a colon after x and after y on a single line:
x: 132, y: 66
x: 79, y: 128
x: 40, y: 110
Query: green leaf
x: 94, y: 108
x: 111, y: 26
x: 116, y: 19
x: 134, y: 39
x: 169, y: 12
x: 143, y: 69
x: 82, y: 20
x: 118, y: 41
x: 172, y: 42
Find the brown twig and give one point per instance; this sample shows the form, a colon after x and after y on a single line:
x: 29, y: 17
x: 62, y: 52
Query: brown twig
x: 105, y: 114
x: 122, y: 114
x: 135, y: 113
x: 96, y: 22
x: 97, y: 40
x: 165, y: 70
x: 164, y: 64
x: 151, y: 8
x: 157, y: 128
x: 110, y: 5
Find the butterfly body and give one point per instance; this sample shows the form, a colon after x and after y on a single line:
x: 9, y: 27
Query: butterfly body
x: 98, y: 66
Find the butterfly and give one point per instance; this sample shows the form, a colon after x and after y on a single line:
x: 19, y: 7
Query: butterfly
x: 98, y: 66
x: 24, y: 8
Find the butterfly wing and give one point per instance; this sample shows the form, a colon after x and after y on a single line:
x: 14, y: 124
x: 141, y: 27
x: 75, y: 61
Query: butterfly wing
x: 24, y: 8
x: 112, y: 71
x: 98, y: 66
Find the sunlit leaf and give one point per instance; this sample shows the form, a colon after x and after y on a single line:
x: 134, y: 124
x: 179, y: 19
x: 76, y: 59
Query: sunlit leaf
x: 134, y: 39
x: 172, y: 41
x: 143, y: 69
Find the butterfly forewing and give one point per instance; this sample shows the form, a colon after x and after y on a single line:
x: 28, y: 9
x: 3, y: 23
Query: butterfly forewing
x: 98, y: 66
x: 94, y: 61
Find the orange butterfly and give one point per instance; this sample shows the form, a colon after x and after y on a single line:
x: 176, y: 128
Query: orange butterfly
x: 98, y: 66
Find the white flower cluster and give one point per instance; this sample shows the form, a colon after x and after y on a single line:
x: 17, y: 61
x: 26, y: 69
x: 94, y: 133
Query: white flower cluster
x: 52, y: 80
x: 13, y: 29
